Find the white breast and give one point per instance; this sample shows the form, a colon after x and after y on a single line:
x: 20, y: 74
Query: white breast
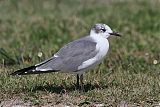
x: 102, y: 47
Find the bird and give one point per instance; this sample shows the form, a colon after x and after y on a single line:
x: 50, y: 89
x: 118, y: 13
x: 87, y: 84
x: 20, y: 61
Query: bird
x: 76, y: 57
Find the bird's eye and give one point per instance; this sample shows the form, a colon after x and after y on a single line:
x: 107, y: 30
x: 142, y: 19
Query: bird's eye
x: 103, y: 30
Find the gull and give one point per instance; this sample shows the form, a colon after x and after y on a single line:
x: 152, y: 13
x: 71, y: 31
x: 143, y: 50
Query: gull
x: 77, y: 56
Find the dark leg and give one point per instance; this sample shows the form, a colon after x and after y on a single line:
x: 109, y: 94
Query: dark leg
x: 77, y: 81
x: 82, y: 84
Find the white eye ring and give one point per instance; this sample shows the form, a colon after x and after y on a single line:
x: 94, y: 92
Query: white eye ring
x: 103, y: 29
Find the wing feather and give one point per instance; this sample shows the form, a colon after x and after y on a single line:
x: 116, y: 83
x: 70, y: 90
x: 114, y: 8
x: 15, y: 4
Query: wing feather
x: 72, y: 55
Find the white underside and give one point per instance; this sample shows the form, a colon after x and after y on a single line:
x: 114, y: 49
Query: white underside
x: 102, y: 46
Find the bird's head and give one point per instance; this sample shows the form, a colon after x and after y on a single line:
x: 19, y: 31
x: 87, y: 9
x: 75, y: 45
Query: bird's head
x: 102, y: 30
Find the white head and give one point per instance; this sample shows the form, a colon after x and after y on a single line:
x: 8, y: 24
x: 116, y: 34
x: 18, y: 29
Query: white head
x: 102, y: 30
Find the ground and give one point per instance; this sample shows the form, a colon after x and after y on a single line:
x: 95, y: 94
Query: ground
x: 32, y: 31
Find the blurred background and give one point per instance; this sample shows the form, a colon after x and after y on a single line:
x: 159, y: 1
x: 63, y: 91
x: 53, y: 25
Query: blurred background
x: 32, y: 30
x: 28, y: 26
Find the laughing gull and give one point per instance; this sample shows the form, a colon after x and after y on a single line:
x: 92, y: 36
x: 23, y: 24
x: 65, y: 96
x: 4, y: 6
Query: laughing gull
x: 76, y: 57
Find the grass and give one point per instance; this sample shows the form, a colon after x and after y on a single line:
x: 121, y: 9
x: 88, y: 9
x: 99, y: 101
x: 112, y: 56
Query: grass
x: 128, y: 75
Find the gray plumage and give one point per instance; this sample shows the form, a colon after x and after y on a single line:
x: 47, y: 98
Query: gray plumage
x: 71, y: 56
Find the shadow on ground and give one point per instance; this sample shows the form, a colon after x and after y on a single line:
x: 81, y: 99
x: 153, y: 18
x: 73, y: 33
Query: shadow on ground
x: 63, y: 89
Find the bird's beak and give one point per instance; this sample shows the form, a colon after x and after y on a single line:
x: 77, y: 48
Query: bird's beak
x: 115, y: 34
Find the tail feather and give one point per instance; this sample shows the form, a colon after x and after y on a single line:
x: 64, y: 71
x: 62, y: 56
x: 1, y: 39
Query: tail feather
x: 25, y: 71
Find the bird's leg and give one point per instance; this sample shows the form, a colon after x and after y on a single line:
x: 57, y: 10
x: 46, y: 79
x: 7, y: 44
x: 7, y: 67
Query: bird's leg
x: 82, y: 84
x: 77, y: 81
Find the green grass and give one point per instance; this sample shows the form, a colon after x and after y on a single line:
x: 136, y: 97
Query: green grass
x: 129, y: 74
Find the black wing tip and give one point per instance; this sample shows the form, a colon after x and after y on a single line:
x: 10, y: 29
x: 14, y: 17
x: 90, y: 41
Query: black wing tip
x: 23, y: 71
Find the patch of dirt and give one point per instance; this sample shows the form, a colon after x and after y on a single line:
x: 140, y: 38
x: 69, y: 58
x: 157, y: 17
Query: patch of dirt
x: 14, y: 103
x: 52, y: 102
x: 19, y: 103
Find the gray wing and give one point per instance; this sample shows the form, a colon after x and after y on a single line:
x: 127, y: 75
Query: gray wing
x: 71, y: 56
